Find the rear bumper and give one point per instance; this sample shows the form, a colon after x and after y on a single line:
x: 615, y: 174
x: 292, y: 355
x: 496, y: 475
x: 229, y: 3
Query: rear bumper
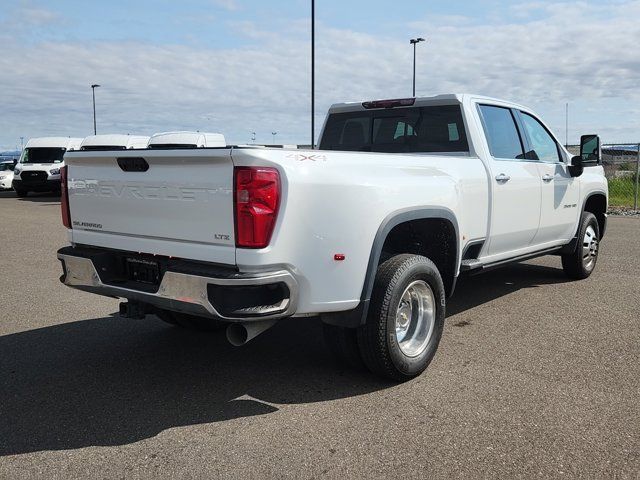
x: 38, y: 186
x: 198, y: 293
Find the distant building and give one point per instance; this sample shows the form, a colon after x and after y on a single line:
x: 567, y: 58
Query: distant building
x: 619, y: 153
x: 10, y: 155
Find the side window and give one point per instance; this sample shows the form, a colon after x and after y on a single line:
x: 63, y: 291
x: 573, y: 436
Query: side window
x: 544, y: 146
x: 502, y: 133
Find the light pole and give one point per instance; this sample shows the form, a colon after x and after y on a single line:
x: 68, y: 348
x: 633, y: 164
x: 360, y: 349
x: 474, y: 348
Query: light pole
x: 93, y: 92
x: 21, y: 143
x: 566, y: 119
x: 313, y: 72
x: 274, y: 137
x: 414, y: 42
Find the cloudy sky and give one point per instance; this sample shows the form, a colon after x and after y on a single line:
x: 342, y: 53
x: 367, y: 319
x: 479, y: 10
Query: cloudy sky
x: 239, y: 66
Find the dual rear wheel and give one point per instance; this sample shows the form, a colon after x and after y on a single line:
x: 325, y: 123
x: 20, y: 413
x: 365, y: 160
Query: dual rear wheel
x: 404, y: 324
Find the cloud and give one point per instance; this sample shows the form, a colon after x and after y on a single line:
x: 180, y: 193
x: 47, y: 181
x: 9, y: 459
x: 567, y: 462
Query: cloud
x: 524, y: 10
x: 27, y: 14
x: 39, y: 16
x: 574, y: 52
x: 230, y: 5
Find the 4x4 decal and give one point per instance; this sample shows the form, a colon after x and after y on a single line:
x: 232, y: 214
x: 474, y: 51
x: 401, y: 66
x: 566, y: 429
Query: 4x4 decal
x: 301, y: 157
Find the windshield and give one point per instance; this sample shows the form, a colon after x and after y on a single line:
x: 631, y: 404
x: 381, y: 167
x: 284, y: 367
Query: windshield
x: 414, y: 129
x: 43, y: 155
x: 6, y: 166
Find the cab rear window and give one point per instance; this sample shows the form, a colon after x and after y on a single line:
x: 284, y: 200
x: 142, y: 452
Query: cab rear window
x: 414, y: 129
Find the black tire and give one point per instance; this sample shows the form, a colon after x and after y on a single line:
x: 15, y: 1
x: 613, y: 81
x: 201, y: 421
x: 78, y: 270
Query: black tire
x: 343, y: 344
x: 191, y: 322
x: 21, y: 193
x: 377, y: 340
x: 576, y: 265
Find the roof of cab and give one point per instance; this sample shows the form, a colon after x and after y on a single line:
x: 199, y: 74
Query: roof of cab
x: 358, y: 106
x: 446, y: 99
x: 114, y: 140
x: 187, y: 139
x: 70, y: 143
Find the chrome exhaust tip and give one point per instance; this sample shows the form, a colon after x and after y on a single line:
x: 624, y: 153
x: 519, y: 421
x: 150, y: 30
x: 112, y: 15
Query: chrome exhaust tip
x: 239, y: 334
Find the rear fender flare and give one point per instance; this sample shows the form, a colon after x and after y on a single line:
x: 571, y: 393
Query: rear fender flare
x: 358, y: 316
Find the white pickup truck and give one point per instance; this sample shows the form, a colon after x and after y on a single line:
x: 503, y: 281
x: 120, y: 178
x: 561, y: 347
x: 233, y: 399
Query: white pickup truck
x: 370, y: 232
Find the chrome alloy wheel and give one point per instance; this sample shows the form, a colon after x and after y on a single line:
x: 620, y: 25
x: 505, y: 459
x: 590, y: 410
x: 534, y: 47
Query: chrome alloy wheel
x: 415, y: 318
x: 589, y: 248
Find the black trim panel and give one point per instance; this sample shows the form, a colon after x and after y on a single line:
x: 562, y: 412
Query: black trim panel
x: 394, y: 220
x: 584, y: 204
x: 520, y: 258
x: 43, y: 186
x: 471, y: 245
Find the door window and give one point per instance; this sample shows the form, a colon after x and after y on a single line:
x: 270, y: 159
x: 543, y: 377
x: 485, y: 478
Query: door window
x: 501, y: 132
x: 544, y: 147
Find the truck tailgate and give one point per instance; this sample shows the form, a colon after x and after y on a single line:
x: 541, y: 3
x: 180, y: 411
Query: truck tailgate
x: 176, y: 202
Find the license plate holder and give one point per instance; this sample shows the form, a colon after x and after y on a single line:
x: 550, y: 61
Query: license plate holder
x: 141, y: 270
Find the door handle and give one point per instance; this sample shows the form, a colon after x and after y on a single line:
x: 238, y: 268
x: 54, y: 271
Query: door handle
x: 547, y: 178
x: 502, y: 178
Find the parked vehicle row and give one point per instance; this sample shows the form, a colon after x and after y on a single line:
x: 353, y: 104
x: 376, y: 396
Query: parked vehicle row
x: 370, y: 232
x: 38, y: 169
x: 42, y: 158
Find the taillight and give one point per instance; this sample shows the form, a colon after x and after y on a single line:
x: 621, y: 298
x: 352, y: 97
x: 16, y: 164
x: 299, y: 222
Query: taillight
x: 64, y: 198
x: 256, y: 199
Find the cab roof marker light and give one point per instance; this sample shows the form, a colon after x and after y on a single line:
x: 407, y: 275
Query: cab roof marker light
x: 398, y: 102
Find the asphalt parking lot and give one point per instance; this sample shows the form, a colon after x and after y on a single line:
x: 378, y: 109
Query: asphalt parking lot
x: 536, y: 376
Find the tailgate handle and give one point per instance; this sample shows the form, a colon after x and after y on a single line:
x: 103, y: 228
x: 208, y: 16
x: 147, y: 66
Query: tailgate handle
x: 133, y: 164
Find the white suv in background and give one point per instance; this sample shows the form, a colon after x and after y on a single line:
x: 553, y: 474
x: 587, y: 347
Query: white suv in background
x: 38, y: 169
x: 6, y: 174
